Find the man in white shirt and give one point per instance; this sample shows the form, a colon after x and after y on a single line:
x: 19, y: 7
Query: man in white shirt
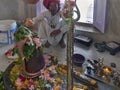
x: 51, y: 25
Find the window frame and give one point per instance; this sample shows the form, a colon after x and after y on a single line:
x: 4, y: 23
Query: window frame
x: 96, y: 24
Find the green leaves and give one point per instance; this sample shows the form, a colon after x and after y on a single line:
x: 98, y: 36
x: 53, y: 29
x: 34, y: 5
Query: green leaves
x: 29, y: 46
x: 42, y: 82
x: 28, y: 50
x: 21, y: 32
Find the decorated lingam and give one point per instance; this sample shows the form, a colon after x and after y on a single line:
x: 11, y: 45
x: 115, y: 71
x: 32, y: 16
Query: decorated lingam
x: 28, y: 47
x: 36, y: 70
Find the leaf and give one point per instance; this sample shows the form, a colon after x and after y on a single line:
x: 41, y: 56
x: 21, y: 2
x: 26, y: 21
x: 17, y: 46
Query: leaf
x: 21, y: 32
x: 28, y: 50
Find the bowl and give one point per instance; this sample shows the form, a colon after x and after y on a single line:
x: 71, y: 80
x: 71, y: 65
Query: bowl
x: 78, y: 59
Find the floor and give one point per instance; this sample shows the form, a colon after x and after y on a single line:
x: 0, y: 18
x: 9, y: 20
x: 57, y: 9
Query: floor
x: 92, y: 53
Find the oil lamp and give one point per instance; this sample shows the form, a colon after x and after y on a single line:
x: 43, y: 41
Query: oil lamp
x: 106, y: 70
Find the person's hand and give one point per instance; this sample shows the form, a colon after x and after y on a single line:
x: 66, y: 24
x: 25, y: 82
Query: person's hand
x: 55, y: 33
x: 29, y: 23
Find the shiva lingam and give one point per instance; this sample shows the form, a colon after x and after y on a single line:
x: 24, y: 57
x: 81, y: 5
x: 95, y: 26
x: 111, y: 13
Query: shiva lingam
x: 31, y: 68
x: 31, y: 55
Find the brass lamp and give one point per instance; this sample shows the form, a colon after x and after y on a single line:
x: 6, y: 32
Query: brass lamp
x: 106, y: 70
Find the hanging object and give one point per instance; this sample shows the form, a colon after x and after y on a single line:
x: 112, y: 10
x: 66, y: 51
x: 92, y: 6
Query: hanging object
x: 67, y: 15
x: 68, y: 11
x: 77, y: 12
x: 31, y: 1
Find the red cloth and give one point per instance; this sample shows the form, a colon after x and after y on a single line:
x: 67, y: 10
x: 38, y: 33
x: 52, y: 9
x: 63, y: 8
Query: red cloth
x: 47, y: 2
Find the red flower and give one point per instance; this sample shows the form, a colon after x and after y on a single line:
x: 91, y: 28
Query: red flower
x: 72, y: 3
x: 66, y: 10
x: 22, y: 78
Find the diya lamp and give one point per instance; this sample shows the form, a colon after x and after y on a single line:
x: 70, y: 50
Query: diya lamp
x: 106, y: 70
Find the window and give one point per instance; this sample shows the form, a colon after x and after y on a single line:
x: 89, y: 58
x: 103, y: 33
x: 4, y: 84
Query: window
x: 92, y: 12
x: 86, y: 10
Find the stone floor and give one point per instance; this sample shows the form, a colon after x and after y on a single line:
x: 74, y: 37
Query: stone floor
x: 92, y: 53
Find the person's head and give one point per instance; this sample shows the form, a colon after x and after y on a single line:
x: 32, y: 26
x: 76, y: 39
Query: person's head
x: 52, y: 5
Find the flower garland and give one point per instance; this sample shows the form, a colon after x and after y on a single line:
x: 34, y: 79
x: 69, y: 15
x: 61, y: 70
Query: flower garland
x: 50, y: 76
x: 66, y: 11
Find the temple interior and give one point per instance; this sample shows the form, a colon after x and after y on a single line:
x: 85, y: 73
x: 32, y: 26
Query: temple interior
x: 96, y: 41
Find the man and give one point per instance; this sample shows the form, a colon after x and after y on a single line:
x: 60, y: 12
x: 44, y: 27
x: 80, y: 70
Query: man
x: 51, y: 25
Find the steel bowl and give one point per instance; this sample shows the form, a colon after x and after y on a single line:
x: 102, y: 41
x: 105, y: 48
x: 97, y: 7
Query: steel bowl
x: 78, y: 59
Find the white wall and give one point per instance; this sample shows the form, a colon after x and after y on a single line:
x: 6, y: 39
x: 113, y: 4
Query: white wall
x: 16, y: 9
x: 8, y: 9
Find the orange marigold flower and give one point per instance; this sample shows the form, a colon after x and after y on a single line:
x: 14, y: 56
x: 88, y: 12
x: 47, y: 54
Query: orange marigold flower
x: 46, y: 71
x: 56, y: 88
